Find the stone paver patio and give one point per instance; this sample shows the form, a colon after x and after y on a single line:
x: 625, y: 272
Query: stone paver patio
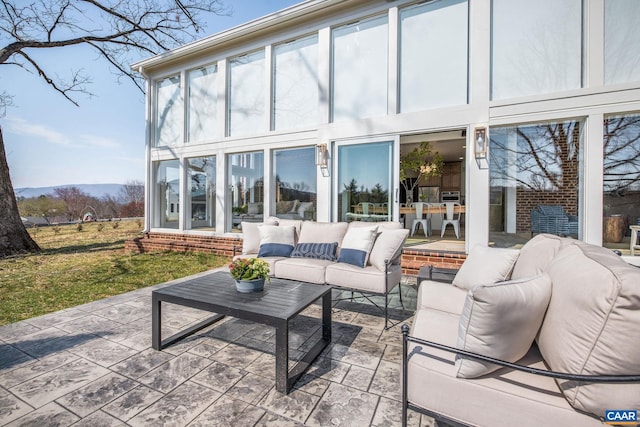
x: 93, y: 365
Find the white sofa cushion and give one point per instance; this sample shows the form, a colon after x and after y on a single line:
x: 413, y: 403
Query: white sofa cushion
x: 302, y: 269
x: 322, y: 232
x: 276, y: 240
x: 250, y: 238
x: 592, y: 326
x: 501, y: 320
x: 485, y: 265
x: 357, y: 244
x: 537, y: 254
x: 388, y: 246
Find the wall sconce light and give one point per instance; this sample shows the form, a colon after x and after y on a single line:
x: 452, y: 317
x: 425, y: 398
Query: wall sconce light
x: 480, y: 143
x: 322, y: 158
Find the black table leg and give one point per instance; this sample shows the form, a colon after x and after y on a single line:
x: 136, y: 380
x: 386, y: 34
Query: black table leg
x: 282, y: 357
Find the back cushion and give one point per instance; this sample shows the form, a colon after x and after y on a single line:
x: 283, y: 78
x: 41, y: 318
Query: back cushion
x: 322, y: 232
x: 592, y: 326
x: 485, y: 265
x: 537, y: 253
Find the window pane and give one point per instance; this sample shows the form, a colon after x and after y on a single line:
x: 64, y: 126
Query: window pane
x: 295, y: 181
x: 621, y: 41
x: 360, y: 65
x: 296, y: 84
x: 246, y: 94
x: 246, y: 180
x: 433, y: 73
x: 536, y: 47
x: 535, y: 176
x: 201, y: 175
x: 202, y: 111
x: 169, y: 112
x: 167, y: 194
x: 621, y: 198
x: 364, y: 180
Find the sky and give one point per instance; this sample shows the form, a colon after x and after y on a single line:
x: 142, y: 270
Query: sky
x: 50, y: 142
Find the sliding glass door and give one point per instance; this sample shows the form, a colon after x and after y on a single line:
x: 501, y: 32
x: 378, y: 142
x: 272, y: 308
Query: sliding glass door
x: 364, y: 185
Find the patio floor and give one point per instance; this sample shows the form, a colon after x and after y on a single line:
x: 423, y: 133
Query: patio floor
x: 94, y: 365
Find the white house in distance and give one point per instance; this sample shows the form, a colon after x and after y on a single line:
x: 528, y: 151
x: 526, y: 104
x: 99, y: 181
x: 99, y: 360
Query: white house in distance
x: 305, y: 113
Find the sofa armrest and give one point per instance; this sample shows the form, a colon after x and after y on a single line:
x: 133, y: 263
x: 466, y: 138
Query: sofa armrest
x: 547, y: 373
x: 441, y: 296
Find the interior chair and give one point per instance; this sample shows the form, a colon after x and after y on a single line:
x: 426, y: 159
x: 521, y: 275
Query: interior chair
x: 451, y: 217
x: 419, y: 220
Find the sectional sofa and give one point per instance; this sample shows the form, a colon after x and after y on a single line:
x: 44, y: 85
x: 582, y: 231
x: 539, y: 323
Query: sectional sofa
x: 548, y: 335
x: 358, y: 256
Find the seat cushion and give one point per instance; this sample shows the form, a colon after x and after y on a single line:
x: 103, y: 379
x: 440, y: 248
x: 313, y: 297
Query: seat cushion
x: 503, y: 398
x: 485, y: 265
x: 368, y: 279
x: 592, y: 325
x: 501, y: 320
x: 302, y: 269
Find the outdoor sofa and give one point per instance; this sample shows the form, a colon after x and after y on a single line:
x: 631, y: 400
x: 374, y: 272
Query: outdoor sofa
x: 558, y: 306
x: 357, y: 256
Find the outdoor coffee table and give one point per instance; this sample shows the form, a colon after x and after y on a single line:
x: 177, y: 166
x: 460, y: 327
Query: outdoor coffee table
x: 280, y: 302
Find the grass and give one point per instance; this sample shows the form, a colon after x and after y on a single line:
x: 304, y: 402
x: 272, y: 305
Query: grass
x: 76, y: 267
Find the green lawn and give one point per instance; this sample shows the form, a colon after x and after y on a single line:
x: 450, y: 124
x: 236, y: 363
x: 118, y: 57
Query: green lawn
x: 76, y: 267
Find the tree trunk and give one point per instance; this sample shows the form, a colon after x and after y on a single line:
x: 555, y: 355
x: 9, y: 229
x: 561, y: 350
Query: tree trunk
x: 14, y: 238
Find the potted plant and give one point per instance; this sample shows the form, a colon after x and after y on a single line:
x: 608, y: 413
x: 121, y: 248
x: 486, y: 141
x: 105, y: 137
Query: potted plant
x: 419, y: 163
x: 249, y: 274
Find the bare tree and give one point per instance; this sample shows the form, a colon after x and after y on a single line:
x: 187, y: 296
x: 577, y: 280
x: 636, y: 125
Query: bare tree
x: 117, y: 31
x: 132, y: 197
x: 75, y: 200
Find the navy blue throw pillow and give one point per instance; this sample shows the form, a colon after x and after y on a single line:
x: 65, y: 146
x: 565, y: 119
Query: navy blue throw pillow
x: 326, y: 251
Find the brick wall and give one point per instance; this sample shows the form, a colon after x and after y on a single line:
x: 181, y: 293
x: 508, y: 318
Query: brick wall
x: 412, y: 259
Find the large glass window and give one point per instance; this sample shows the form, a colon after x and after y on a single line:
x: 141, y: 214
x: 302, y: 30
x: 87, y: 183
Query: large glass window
x: 167, y: 194
x: 364, y: 181
x: 295, y: 81
x: 169, y: 117
x: 536, y: 47
x: 360, y: 63
x: 246, y: 94
x: 621, y: 198
x: 246, y: 181
x: 202, y: 112
x: 535, y: 174
x: 621, y: 41
x: 201, y: 185
x: 432, y: 73
x: 295, y: 192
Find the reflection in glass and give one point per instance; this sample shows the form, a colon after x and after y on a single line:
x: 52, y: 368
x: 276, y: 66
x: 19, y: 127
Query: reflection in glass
x: 295, y: 83
x: 246, y: 181
x: 433, y: 73
x: 621, y: 41
x: 167, y: 194
x: 246, y: 94
x: 202, y: 112
x: 295, y: 183
x: 536, y: 47
x: 621, y: 198
x: 201, y: 183
x: 169, y: 117
x: 535, y: 168
x: 360, y: 63
x: 364, y: 180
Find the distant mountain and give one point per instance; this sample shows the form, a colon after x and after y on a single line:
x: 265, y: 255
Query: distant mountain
x: 94, y: 190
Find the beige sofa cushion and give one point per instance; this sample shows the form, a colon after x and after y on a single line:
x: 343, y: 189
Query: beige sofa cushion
x: 441, y: 296
x: 501, y: 320
x: 368, y: 279
x: 537, y: 253
x: 592, y: 325
x: 323, y: 232
x: 356, y: 245
x: 485, y: 265
x: 279, y: 221
x: 388, y: 246
x: 303, y: 269
x: 250, y: 238
x: 276, y: 240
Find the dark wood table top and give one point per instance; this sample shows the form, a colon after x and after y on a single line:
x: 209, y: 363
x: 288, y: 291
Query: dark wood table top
x: 280, y: 299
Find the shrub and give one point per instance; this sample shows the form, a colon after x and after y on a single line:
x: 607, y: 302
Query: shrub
x: 100, y: 227
x: 79, y: 226
x: 115, y: 225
